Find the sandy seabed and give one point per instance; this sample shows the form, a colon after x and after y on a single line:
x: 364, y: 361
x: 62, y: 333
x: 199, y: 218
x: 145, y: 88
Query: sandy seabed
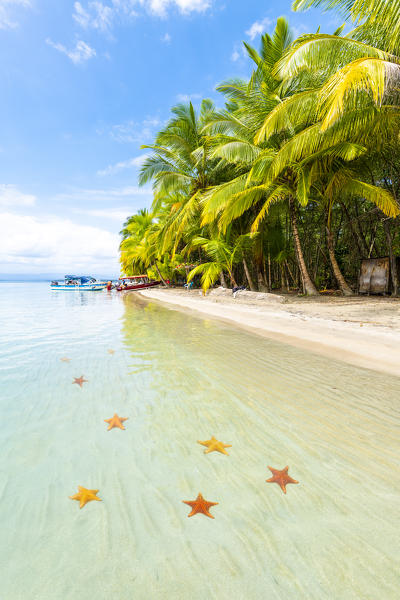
x: 363, y: 331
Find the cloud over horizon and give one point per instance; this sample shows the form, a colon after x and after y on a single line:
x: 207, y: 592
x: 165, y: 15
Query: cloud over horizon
x: 46, y: 243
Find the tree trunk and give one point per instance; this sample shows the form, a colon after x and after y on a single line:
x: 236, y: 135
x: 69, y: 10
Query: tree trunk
x: 342, y: 283
x: 355, y: 234
x: 269, y: 273
x: 260, y: 280
x: 232, y: 278
x: 159, y: 274
x: 308, y: 285
x: 392, y: 258
x: 248, y: 276
x: 222, y: 279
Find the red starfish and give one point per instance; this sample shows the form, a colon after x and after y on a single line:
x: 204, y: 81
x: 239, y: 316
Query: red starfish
x: 80, y: 380
x: 281, y: 478
x: 200, y: 506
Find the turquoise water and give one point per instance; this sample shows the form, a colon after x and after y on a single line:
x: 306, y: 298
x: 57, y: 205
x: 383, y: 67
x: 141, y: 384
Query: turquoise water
x: 180, y: 379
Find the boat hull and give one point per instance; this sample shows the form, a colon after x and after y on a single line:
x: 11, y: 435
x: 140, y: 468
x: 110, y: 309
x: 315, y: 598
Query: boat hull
x: 77, y: 288
x: 140, y: 286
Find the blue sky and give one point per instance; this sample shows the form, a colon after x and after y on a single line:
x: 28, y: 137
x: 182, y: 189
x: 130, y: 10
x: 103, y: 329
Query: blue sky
x: 84, y: 84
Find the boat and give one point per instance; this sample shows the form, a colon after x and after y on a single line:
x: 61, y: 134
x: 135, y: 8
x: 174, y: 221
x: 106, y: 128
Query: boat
x: 135, y: 282
x: 83, y: 283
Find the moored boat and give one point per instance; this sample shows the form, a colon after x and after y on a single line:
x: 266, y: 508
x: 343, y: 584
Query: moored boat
x: 81, y: 284
x: 135, y: 282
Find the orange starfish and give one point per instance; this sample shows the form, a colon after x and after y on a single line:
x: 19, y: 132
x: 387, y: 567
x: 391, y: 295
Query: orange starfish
x: 110, y: 351
x: 281, y: 478
x: 200, y: 506
x: 214, y: 445
x: 80, y: 380
x: 65, y: 359
x: 115, y: 421
x: 84, y: 496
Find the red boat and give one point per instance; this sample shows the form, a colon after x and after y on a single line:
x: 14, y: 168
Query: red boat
x: 136, y: 282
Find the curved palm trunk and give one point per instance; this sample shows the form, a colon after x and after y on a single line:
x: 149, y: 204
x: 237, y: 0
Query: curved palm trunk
x: 159, y: 274
x: 248, y: 276
x: 342, y: 283
x: 222, y: 279
x: 308, y: 285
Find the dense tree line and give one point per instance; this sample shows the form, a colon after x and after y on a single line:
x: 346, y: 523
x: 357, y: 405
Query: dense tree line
x: 296, y: 179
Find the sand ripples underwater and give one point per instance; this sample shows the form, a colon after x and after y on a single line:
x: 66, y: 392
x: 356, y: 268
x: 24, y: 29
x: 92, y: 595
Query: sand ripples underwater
x: 180, y: 379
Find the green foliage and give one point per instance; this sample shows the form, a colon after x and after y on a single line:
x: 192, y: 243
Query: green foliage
x: 309, y: 142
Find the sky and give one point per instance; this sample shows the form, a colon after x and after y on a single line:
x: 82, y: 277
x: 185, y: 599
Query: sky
x: 84, y: 85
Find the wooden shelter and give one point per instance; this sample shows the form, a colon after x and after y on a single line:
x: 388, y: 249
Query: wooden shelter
x: 375, y: 275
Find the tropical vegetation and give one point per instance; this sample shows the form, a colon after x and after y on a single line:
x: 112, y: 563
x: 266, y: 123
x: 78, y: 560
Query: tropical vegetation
x: 296, y: 178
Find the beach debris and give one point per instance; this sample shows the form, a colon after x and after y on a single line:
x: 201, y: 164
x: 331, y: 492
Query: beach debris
x: 214, y: 445
x: 80, y: 380
x: 65, y: 359
x: 115, y: 421
x: 200, y: 505
x: 84, y: 496
x: 281, y: 478
x: 111, y: 351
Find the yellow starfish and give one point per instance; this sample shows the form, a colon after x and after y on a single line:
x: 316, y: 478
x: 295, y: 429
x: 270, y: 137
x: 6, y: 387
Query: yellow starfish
x: 84, y: 496
x: 65, y: 359
x: 214, y: 445
x: 110, y: 351
x: 115, y: 421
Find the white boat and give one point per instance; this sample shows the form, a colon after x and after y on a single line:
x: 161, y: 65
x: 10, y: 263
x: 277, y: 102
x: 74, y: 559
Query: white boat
x: 72, y: 283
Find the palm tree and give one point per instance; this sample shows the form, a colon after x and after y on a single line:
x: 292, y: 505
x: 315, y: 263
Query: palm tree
x: 180, y: 168
x: 238, y: 140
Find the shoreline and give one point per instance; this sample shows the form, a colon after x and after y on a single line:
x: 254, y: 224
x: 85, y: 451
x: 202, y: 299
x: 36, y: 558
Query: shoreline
x: 362, y: 331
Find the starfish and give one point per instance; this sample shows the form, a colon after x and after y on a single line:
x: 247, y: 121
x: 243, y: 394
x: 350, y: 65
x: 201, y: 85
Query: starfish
x: 80, y: 380
x: 214, y: 445
x: 200, y: 506
x: 65, y: 359
x: 110, y: 351
x: 115, y: 421
x: 84, y: 496
x: 281, y: 478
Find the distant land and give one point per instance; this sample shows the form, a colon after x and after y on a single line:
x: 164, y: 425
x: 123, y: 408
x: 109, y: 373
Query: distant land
x: 46, y: 276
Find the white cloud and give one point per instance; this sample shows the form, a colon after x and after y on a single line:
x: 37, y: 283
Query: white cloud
x: 6, y: 12
x: 102, y: 15
x: 235, y: 56
x: 79, y: 54
x: 115, y: 214
x: 55, y: 244
x: 126, y: 164
x: 134, y: 131
x: 97, y: 15
x: 258, y: 28
x: 166, y: 38
x: 161, y: 7
x: 11, y: 196
x: 107, y: 195
x: 187, y: 97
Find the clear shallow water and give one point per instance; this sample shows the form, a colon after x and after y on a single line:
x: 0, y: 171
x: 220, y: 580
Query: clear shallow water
x: 180, y: 379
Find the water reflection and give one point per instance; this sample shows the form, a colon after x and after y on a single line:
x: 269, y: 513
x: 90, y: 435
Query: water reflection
x: 335, y: 426
x: 181, y: 379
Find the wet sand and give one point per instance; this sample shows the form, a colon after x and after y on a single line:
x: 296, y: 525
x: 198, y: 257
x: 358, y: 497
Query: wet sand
x: 364, y: 331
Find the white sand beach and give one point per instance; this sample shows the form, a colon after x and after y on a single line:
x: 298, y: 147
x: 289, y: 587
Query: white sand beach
x: 364, y: 331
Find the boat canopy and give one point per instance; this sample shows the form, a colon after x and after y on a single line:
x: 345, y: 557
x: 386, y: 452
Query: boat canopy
x: 132, y: 277
x: 81, y: 278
